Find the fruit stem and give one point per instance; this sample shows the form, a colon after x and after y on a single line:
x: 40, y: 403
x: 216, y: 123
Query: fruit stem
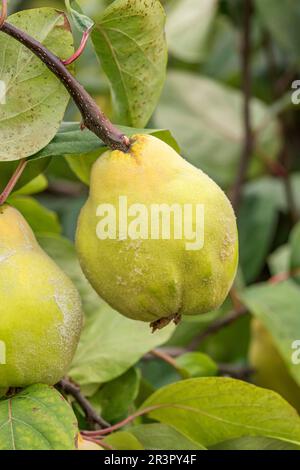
x: 13, y: 181
x: 3, y: 12
x: 94, y: 119
x: 80, y: 49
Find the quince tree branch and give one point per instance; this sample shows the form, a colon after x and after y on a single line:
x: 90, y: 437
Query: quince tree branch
x: 92, y: 117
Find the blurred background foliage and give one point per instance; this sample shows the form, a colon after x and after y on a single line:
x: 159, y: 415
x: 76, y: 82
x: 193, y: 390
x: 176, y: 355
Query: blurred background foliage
x: 202, y: 105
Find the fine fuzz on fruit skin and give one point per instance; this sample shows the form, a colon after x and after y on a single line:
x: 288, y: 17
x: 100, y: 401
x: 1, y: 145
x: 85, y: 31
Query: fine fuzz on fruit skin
x: 40, y: 310
x: 270, y: 370
x: 156, y: 280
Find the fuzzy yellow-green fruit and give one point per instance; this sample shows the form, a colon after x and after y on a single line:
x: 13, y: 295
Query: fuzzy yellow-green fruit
x: 270, y: 369
x: 40, y: 309
x: 148, y: 279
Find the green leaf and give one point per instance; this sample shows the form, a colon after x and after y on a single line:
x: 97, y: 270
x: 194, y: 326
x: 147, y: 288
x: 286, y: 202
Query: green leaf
x: 162, y: 437
x: 129, y: 39
x: 257, y: 218
x: 278, y: 309
x: 110, y: 343
x: 196, y: 364
x: 32, y: 170
x: 205, y: 117
x: 82, y: 22
x: 212, y: 410
x: 41, y: 219
x: 273, y: 188
x: 255, y: 443
x: 71, y: 140
x: 81, y: 164
x: 37, y: 418
x: 114, y: 398
x: 279, y: 260
x: 123, y: 440
x: 188, y: 25
x: 35, y: 186
x: 35, y: 99
x: 282, y: 20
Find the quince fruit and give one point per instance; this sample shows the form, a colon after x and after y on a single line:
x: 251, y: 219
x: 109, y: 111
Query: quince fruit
x: 157, y: 238
x: 40, y: 311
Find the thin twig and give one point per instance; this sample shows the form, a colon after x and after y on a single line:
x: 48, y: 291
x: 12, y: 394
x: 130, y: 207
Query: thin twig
x: 13, y: 181
x: 164, y: 356
x: 168, y: 355
x: 248, y: 144
x: 92, y: 117
x: 217, y: 325
x: 124, y: 422
x: 91, y: 415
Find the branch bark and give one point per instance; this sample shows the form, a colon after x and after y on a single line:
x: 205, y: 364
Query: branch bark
x: 92, y: 117
x: 217, y: 325
x: 13, y: 181
x: 92, y: 417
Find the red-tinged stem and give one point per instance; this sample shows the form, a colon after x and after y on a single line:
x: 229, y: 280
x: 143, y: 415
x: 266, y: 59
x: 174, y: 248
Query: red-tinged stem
x: 121, y: 424
x: 13, y: 181
x: 284, y: 276
x: 92, y: 116
x: 3, y: 12
x: 81, y: 48
x: 166, y: 358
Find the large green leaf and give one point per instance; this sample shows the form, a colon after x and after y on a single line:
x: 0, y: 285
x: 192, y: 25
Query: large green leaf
x: 115, y: 398
x: 212, y: 410
x: 35, y: 98
x: 41, y: 219
x: 130, y: 42
x: 162, y: 437
x: 123, y: 440
x: 71, y: 140
x: 188, y: 25
x: 110, y: 343
x: 205, y: 117
x: 278, y: 309
x: 282, y: 20
x: 257, y: 222
x: 255, y: 443
x: 37, y: 418
x: 273, y: 189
